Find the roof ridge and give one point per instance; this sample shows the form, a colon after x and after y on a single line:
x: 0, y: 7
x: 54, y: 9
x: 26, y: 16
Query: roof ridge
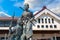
x: 44, y: 7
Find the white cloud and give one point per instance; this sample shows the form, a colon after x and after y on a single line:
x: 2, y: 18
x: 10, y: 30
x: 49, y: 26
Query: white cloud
x: 3, y: 12
x: 53, y: 5
x: 37, y: 4
x: 18, y: 4
x: 56, y: 10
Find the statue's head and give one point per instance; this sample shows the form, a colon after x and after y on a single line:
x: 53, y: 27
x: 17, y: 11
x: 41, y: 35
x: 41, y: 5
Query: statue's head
x: 26, y: 6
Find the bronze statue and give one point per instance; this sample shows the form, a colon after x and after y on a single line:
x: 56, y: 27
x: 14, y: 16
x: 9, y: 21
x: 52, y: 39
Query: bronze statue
x: 27, y: 25
x: 23, y: 29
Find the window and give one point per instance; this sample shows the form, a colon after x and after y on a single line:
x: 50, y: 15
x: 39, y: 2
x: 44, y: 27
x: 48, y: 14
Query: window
x: 38, y: 20
x: 45, y: 20
x: 2, y: 38
x: 38, y: 26
x: 46, y: 26
x: 55, y: 26
x: 42, y: 20
x: 52, y: 20
x: 51, y: 26
x: 14, y: 23
x: 49, y: 20
x: 42, y: 26
x: 1, y: 23
x: 6, y: 23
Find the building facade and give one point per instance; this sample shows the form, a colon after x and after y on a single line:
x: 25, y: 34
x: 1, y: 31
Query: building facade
x: 4, y: 26
x: 47, y: 26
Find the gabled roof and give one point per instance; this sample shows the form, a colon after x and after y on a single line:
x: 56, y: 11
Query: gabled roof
x: 44, y: 9
x: 3, y: 14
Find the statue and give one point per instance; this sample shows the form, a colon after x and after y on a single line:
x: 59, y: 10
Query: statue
x: 27, y: 26
x: 23, y: 29
x: 16, y: 31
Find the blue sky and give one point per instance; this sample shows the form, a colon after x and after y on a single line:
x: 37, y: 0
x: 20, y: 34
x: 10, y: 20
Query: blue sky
x: 11, y: 6
x: 8, y: 6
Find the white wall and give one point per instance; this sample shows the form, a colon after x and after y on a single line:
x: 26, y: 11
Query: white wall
x: 56, y: 22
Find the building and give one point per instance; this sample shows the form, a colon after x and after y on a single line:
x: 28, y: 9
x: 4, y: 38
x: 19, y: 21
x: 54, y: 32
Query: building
x: 47, y: 26
x: 5, y: 21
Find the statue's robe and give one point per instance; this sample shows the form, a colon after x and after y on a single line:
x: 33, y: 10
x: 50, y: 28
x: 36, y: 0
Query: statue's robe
x: 27, y: 27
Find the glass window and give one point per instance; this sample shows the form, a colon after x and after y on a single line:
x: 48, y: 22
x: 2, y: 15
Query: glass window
x: 55, y: 26
x: 7, y: 23
x: 1, y: 23
x: 14, y: 23
x: 42, y: 20
x: 38, y: 26
x: 2, y: 38
x: 52, y: 20
x: 42, y: 26
x: 46, y: 26
x: 38, y: 20
x: 58, y: 38
x: 49, y: 20
x: 51, y: 26
x: 45, y: 20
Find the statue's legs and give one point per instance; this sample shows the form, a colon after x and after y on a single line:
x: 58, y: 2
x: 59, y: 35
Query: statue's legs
x: 23, y: 37
x: 17, y: 38
x: 13, y: 37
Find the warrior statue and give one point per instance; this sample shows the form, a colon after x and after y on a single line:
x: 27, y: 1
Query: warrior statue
x: 27, y: 23
x: 23, y: 29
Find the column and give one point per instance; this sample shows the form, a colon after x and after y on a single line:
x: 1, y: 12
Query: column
x: 55, y: 37
x: 50, y: 20
x: 5, y: 36
x: 51, y: 38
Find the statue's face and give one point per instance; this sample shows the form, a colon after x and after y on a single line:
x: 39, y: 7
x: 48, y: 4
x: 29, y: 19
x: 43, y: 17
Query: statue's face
x: 26, y: 6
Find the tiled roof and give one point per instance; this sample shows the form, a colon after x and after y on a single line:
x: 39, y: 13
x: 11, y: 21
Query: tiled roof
x: 44, y: 7
x: 7, y: 18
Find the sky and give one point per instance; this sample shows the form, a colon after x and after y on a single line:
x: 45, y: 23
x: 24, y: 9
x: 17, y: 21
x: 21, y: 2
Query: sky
x: 12, y: 6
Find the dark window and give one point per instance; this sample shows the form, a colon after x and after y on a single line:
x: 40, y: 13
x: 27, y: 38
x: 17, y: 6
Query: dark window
x: 38, y: 20
x: 42, y: 20
x: 51, y: 26
x: 7, y: 23
x: 46, y: 26
x: 14, y: 23
x: 55, y: 26
x: 1, y: 23
x: 38, y: 26
x: 42, y: 26
x: 58, y: 38
x: 2, y: 38
x: 49, y: 20
x: 52, y: 20
x: 45, y: 20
